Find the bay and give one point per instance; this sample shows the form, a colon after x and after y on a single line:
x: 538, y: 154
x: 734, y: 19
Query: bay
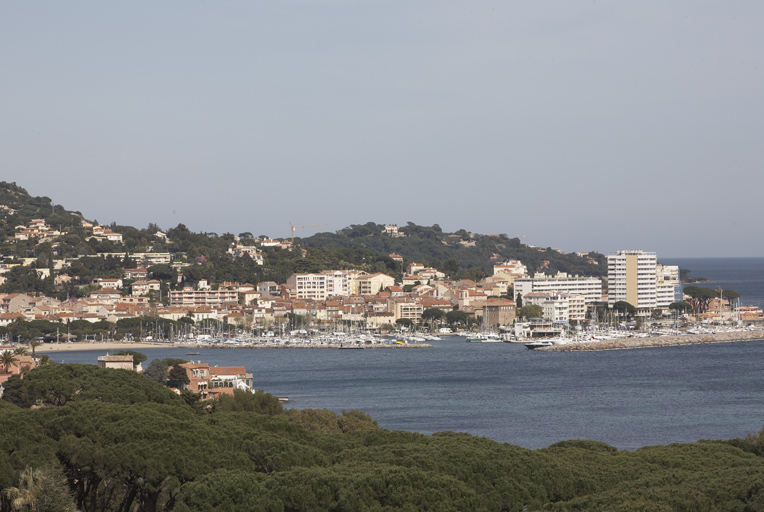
x: 627, y: 399
x: 743, y: 275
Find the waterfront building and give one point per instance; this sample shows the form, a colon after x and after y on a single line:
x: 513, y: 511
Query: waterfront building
x: 498, y: 311
x: 632, y: 278
x: 212, y: 381
x: 404, y: 307
x: 588, y: 287
x: 667, y: 288
x: 124, y: 362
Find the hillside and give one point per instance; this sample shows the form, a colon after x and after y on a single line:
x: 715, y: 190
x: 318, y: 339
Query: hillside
x: 208, y: 256
x: 105, y: 439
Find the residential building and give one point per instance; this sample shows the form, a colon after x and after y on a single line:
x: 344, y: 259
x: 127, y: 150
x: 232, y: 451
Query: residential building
x: 499, y: 312
x: 514, y: 268
x: 118, y: 362
x: 189, y: 297
x: 632, y: 278
x: 668, y: 285
x: 373, y: 283
x: 403, y: 307
x: 589, y: 287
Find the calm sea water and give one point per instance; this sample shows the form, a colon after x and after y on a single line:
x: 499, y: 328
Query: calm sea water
x: 502, y: 391
x: 743, y: 275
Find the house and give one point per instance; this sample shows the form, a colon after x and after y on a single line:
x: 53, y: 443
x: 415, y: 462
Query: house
x: 214, y: 381
x: 122, y: 362
x: 107, y: 295
x: 21, y: 365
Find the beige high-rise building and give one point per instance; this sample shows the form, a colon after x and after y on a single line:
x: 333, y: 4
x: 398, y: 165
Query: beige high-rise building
x: 632, y: 278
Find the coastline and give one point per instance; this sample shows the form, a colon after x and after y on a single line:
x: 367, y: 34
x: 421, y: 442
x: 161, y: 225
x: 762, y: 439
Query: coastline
x: 657, y: 341
x: 115, y: 346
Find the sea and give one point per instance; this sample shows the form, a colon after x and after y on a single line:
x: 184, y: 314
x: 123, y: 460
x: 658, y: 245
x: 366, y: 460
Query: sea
x: 627, y: 398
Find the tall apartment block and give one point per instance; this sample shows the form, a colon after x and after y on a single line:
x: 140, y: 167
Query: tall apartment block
x: 632, y: 278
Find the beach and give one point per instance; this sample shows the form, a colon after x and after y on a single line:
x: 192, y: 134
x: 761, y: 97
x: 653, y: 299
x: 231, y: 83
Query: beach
x: 109, y: 346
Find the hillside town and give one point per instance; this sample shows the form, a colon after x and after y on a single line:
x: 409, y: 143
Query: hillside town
x: 322, y: 301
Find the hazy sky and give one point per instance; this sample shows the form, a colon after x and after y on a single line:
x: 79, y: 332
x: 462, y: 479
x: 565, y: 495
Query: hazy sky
x: 581, y: 125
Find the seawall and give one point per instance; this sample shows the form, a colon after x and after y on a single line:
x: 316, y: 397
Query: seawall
x: 658, y: 341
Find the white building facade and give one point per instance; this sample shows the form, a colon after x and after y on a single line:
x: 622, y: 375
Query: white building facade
x: 667, y: 286
x: 589, y: 287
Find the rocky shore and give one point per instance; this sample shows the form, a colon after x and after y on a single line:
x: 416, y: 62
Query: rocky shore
x: 658, y: 341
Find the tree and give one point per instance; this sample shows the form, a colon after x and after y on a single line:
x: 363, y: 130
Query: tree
x: 700, y: 298
x: 245, y: 401
x: 730, y: 295
x: 41, y: 490
x: 457, y: 317
x: 33, y: 344
x: 681, y: 307
x: 156, y: 371
x: 519, y: 301
x: 531, y: 311
x: 405, y: 322
x: 178, y: 376
x: 8, y: 358
x: 138, y: 357
x: 435, y: 314
x: 625, y: 308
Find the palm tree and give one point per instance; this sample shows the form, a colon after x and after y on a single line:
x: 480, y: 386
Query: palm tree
x: 8, y: 358
x: 33, y: 345
x: 20, y: 351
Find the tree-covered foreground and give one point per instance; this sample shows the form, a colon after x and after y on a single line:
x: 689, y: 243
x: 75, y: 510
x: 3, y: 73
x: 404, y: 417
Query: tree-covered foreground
x: 78, y: 437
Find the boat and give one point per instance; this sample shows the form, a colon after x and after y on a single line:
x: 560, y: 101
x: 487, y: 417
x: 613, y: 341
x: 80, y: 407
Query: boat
x: 538, y: 344
x: 485, y: 338
x: 192, y: 353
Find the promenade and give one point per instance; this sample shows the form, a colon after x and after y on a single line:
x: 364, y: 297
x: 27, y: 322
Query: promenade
x: 658, y: 341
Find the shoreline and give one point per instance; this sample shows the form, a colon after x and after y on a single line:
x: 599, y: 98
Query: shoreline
x: 657, y: 341
x: 116, y: 346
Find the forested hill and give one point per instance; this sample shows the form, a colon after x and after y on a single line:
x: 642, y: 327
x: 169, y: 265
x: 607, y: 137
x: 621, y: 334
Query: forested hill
x: 26, y: 208
x: 78, y: 437
x: 456, y: 252
x: 365, y: 247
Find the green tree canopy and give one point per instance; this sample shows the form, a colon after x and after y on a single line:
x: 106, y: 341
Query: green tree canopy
x: 531, y: 311
x: 625, y: 308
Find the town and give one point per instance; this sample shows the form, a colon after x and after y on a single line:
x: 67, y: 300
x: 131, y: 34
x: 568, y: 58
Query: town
x: 86, y: 282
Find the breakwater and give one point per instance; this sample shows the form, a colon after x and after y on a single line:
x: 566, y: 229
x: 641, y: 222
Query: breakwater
x: 301, y: 346
x: 658, y: 341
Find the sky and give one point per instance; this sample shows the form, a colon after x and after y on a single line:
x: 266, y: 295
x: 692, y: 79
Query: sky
x: 579, y: 125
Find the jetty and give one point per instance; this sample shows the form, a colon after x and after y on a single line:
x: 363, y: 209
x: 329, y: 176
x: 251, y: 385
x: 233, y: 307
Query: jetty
x: 727, y: 336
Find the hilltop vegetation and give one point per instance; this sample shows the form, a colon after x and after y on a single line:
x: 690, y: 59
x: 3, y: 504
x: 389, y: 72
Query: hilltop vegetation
x: 118, y: 441
x: 458, y: 252
x: 365, y: 247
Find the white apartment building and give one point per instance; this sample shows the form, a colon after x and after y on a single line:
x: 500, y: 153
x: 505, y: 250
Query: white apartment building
x: 589, y: 287
x: 329, y: 283
x: 373, y: 283
x: 557, y: 309
x: 188, y: 297
x: 667, y: 285
x: 632, y: 278
x: 513, y: 268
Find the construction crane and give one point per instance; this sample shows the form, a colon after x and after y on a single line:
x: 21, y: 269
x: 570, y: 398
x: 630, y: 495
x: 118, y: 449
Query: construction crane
x: 302, y: 226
